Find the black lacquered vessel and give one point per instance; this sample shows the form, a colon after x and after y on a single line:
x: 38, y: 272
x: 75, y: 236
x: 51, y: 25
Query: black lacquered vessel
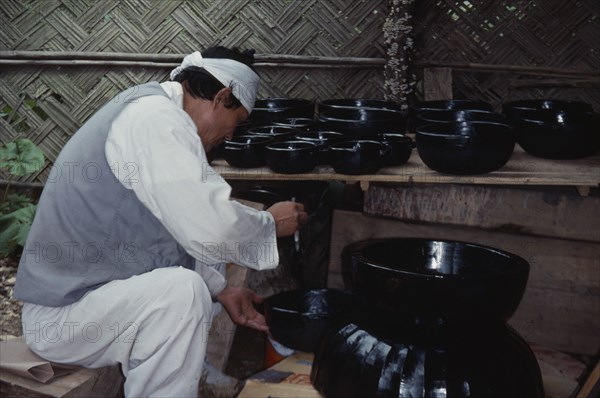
x: 435, y: 324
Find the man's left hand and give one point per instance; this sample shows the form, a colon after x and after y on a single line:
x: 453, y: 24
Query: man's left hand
x: 238, y: 301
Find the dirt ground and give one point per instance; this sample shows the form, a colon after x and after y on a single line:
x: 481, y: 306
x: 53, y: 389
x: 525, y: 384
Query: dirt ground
x: 10, y: 309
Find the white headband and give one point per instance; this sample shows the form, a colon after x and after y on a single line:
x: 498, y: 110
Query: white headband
x: 242, y: 80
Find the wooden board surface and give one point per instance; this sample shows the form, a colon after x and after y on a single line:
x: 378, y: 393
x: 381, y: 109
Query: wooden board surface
x: 553, y: 212
x: 521, y: 169
x: 561, y: 306
x: 89, y: 383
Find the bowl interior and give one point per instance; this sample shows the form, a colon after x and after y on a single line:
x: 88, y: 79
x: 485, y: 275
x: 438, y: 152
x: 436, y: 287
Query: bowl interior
x: 317, y: 302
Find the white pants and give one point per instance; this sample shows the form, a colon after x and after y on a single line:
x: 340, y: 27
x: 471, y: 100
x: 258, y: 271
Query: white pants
x: 155, y: 325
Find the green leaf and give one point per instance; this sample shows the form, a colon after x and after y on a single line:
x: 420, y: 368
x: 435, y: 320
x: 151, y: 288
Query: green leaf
x: 15, y: 227
x: 13, y: 202
x: 21, y: 157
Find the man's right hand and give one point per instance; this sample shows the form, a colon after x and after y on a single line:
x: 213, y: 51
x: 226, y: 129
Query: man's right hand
x: 289, y: 216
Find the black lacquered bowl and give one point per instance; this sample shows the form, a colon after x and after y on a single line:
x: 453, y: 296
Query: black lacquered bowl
x: 556, y: 134
x: 291, y: 157
x: 457, y: 116
x: 298, y: 319
x: 353, y: 103
x: 362, y: 123
x: 298, y: 123
x: 445, y: 105
x: 436, y: 280
x: 322, y: 139
x: 357, y: 157
x: 515, y: 107
x: 278, y: 133
x: 465, y: 148
x: 400, y: 148
x: 270, y: 110
x: 246, y: 150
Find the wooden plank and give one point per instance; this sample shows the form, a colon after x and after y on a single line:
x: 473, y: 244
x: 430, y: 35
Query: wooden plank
x: 437, y: 83
x: 591, y: 383
x: 560, y: 371
x: 553, y: 212
x: 103, y: 382
x: 521, y: 169
x: 561, y: 306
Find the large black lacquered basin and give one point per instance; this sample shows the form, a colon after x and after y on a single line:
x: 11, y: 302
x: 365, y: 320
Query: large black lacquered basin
x: 298, y: 319
x: 436, y: 280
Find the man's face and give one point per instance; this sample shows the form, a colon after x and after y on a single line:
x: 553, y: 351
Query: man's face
x: 222, y: 124
x: 215, y: 122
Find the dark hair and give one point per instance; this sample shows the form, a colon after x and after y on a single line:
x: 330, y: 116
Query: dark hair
x: 201, y: 84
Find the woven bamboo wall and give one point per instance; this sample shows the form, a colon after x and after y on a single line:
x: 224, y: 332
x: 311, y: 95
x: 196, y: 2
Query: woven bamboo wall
x: 47, y: 103
x: 548, y: 33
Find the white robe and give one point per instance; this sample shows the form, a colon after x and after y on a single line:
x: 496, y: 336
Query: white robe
x: 159, y: 336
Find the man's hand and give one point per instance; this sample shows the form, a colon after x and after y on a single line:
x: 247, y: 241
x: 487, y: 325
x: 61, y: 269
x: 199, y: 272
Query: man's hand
x: 238, y: 303
x: 289, y: 216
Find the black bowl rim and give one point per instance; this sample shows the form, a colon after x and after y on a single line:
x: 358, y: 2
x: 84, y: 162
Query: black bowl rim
x: 393, y: 115
x: 285, y: 122
x: 429, y: 105
x: 303, y: 102
x: 261, y: 138
x: 342, y: 146
x: 339, y: 292
x: 335, y: 103
x: 420, y: 130
x: 521, y: 265
x: 403, y: 137
x: 308, y: 146
x: 290, y: 130
x: 306, y: 135
x: 554, y: 112
x: 514, y: 105
x: 421, y: 114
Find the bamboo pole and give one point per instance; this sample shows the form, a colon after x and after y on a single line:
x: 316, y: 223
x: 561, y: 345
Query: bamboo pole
x: 156, y: 60
x: 565, y: 82
x: 77, y: 62
x: 489, y: 68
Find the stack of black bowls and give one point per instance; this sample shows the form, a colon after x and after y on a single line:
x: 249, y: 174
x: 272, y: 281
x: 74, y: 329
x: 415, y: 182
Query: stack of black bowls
x: 259, y: 141
x: 462, y: 137
x: 373, y: 134
x: 354, y: 136
x: 555, y: 129
x: 435, y: 324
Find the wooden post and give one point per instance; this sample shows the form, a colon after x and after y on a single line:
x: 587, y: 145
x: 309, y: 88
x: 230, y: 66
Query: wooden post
x: 437, y: 84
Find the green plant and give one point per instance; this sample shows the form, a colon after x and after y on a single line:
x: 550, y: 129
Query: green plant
x: 19, y: 158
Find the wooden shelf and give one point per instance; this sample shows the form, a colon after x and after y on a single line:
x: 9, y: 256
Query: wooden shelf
x: 522, y: 169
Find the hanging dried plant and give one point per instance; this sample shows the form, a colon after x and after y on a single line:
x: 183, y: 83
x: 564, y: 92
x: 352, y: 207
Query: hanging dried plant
x: 398, y: 38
